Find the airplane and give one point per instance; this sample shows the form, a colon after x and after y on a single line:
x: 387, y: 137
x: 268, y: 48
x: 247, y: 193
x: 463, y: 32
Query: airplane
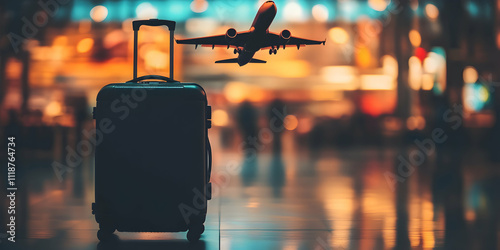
x: 247, y: 43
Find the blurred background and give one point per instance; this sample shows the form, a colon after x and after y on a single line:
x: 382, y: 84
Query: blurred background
x: 387, y: 137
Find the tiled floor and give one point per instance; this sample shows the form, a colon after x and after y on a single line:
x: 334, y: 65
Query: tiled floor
x: 341, y: 200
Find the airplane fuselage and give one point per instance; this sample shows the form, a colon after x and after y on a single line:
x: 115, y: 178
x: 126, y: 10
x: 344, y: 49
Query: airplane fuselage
x: 259, y: 29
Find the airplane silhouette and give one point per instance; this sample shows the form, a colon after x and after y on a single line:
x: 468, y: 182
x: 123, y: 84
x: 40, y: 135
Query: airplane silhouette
x: 247, y: 43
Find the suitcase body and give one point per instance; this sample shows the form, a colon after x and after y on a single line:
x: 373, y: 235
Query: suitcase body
x: 152, y: 160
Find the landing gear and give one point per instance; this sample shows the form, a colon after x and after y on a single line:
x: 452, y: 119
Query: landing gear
x: 273, y: 51
x: 270, y: 51
x: 235, y: 51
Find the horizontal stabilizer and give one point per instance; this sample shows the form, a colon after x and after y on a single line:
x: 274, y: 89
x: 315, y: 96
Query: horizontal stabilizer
x: 235, y: 60
x: 257, y: 61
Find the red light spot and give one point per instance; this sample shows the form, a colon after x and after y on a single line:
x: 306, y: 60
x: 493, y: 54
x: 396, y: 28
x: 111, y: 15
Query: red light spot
x: 420, y: 53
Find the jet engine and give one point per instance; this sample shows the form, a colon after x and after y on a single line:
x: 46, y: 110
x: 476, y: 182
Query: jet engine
x: 285, y: 34
x: 231, y: 33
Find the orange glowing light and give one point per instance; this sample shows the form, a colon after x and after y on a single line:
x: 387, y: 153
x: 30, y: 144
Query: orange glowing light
x: 235, y: 92
x: 363, y: 57
x: 85, y: 45
x: 378, y: 5
x: 415, y: 38
x: 291, y: 122
x: 470, y: 74
x: 338, y: 35
x: 220, y: 118
x: 431, y: 11
x: 427, y: 81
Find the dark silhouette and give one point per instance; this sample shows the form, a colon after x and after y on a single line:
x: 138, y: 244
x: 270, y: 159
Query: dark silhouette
x: 247, y: 43
x: 247, y: 122
x: 277, y: 175
x: 153, y: 159
x: 275, y: 114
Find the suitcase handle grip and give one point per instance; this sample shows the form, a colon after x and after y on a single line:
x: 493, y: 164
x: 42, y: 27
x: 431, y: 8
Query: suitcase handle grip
x: 155, y: 22
x: 156, y: 77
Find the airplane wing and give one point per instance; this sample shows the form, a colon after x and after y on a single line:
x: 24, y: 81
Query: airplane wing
x: 274, y: 39
x: 217, y: 41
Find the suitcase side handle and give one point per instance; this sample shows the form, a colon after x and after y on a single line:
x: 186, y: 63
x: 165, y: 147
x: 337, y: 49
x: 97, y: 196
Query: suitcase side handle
x: 136, y: 25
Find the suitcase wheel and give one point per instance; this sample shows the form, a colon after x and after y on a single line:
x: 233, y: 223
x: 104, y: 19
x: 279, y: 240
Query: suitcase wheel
x: 195, y: 232
x: 105, y: 233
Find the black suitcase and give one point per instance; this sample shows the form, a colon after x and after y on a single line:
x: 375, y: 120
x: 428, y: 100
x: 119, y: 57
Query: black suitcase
x: 153, y: 157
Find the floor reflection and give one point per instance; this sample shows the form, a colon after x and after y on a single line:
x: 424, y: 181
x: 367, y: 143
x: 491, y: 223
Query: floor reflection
x: 329, y: 199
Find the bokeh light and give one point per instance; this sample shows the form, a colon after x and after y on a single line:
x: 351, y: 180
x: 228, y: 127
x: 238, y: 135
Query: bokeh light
x: 320, y: 13
x: 415, y: 38
x: 146, y: 11
x: 338, y: 35
x: 291, y: 122
x: 379, y: 5
x: 220, y: 118
x: 85, y: 45
x: 431, y: 11
x: 235, y: 92
x: 470, y: 74
x: 98, y: 13
x: 293, y: 12
x: 199, y: 6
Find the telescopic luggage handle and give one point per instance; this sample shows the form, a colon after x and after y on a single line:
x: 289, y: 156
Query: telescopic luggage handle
x: 154, y: 22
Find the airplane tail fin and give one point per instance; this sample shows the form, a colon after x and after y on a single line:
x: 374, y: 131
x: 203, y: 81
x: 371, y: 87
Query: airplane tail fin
x: 235, y: 60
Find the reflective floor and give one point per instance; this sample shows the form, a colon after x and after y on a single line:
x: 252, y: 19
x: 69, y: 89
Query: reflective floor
x: 351, y: 198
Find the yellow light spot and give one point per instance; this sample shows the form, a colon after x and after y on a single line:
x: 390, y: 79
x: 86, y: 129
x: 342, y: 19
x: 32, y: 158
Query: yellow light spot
x: 252, y: 204
x: 415, y: 38
x: 98, y: 13
x: 291, y: 122
x: 427, y: 81
x: 235, y: 92
x: 53, y: 109
x: 338, y: 35
x: 378, y: 5
x: 220, y: 118
x: 60, y: 41
x: 320, y: 13
x: 483, y: 94
x: 470, y: 74
x: 85, y: 45
x: 415, y: 73
x: 156, y: 59
x: 390, y: 66
x: 377, y: 82
x: 431, y: 11
x: 364, y: 57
